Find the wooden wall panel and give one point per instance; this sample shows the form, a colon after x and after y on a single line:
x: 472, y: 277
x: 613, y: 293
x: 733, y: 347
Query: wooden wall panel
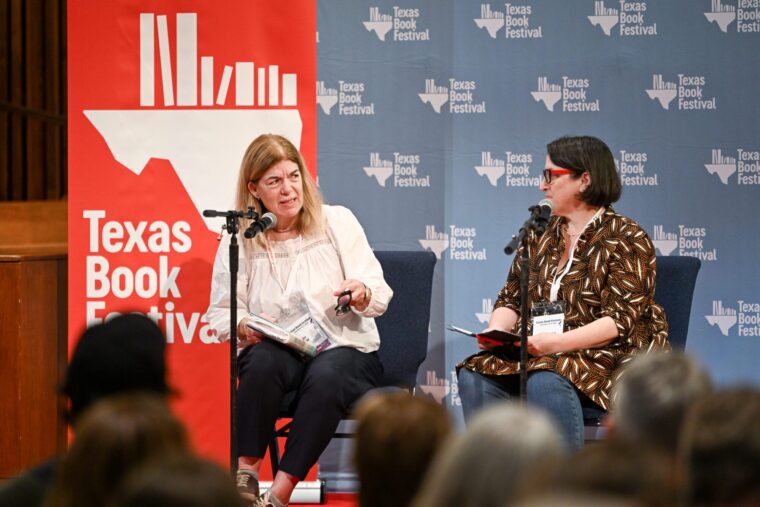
x: 33, y: 327
x: 33, y: 353
x: 4, y: 96
x: 32, y: 100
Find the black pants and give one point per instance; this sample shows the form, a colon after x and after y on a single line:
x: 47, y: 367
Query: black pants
x: 326, y: 387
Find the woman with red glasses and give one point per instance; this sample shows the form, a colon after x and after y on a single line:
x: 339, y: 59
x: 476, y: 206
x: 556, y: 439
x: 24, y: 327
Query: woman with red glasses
x: 591, y: 294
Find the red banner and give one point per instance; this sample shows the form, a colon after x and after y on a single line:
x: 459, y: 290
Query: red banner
x: 163, y: 101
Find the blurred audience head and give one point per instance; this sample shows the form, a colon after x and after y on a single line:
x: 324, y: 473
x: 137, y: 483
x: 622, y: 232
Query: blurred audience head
x: 619, y: 469
x: 568, y: 499
x: 652, y: 397
x: 720, y: 449
x: 507, y: 447
x: 115, y: 436
x: 126, y: 353
x: 182, y: 481
x: 397, y: 437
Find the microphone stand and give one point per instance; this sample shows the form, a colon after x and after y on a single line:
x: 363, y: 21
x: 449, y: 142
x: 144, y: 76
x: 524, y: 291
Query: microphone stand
x: 232, y: 226
x: 538, y: 224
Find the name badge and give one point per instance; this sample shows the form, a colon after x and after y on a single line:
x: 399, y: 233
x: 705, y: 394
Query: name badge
x: 548, y: 317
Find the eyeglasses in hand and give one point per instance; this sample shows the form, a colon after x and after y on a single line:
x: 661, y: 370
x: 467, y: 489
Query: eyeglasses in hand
x: 344, y: 303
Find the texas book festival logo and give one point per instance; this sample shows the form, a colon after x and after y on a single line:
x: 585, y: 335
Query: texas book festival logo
x: 265, y: 100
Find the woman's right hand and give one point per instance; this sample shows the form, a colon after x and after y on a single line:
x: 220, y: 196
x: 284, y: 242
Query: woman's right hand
x: 247, y: 336
x: 502, y: 318
x: 484, y: 344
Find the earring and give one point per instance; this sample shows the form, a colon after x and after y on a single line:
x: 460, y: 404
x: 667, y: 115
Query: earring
x: 583, y: 189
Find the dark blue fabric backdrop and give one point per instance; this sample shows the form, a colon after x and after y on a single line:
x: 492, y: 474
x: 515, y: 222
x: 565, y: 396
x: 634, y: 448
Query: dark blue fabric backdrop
x: 433, y: 121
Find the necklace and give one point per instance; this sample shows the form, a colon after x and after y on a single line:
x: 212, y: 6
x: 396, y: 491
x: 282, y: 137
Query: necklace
x: 572, y: 234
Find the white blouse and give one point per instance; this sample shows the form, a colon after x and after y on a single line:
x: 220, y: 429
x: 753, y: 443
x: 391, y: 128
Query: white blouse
x: 305, y: 270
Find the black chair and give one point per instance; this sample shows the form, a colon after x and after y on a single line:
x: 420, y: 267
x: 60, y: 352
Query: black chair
x: 676, y: 278
x: 403, y: 329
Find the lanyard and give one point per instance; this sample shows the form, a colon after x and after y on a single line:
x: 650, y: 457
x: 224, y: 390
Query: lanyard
x: 273, y: 265
x: 558, y: 278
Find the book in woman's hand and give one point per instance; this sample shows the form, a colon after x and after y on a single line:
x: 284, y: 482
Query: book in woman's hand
x: 279, y: 334
x: 504, y: 339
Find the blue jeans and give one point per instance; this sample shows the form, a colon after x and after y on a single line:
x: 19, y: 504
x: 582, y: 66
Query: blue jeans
x: 547, y: 390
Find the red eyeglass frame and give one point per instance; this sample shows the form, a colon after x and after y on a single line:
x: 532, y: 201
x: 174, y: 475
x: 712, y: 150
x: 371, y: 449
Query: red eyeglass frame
x: 552, y: 172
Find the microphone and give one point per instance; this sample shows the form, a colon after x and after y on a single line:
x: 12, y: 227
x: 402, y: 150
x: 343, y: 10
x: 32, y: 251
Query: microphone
x: 264, y: 222
x: 539, y: 218
x: 540, y: 213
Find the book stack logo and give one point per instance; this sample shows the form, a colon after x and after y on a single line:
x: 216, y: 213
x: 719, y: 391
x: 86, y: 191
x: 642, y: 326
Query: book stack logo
x: 349, y: 96
x: 404, y: 167
x: 490, y: 20
x: 190, y: 100
x: 548, y: 93
x: 405, y: 23
x: 378, y: 168
x: 629, y: 18
x: 460, y: 96
x: 663, y: 241
x: 746, y: 164
x: 662, y: 91
x: 435, y: 387
x: 746, y: 13
x: 490, y: 167
x: 746, y: 315
x: 723, y: 317
x: 687, y: 242
x: 721, y: 15
x: 515, y: 19
x: 326, y: 97
x: 250, y: 86
x: 196, y: 123
x: 436, y: 242
x: 689, y: 90
x: 515, y: 167
x: 484, y: 315
x: 434, y: 95
x: 605, y: 18
x: 723, y: 166
x: 573, y: 92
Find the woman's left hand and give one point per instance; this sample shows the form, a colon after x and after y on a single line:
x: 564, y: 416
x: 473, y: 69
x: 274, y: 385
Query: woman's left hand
x: 543, y: 343
x: 360, y: 294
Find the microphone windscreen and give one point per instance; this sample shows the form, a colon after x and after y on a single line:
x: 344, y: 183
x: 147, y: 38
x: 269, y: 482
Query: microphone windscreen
x: 268, y: 220
x: 546, y: 207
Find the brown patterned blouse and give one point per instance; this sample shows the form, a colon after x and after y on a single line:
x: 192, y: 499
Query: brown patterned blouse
x: 612, y: 274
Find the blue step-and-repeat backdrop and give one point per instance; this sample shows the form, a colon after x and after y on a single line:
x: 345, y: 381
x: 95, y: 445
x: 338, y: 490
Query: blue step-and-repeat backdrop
x: 433, y: 117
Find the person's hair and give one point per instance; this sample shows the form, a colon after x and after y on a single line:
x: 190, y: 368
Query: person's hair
x: 652, y: 396
x: 126, y: 353
x: 114, y: 436
x: 619, y: 469
x: 264, y: 152
x: 588, y: 154
x: 720, y: 449
x: 181, y: 481
x: 507, y: 447
x: 397, y: 437
x: 565, y: 499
